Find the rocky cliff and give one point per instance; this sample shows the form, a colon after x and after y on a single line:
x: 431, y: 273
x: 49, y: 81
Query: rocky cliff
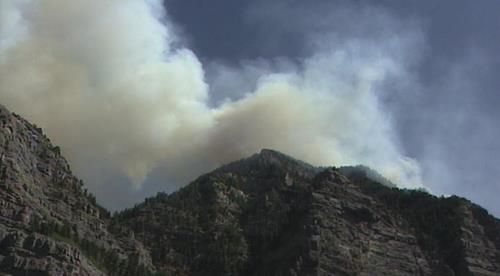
x: 49, y: 224
x: 268, y: 214
x: 273, y: 215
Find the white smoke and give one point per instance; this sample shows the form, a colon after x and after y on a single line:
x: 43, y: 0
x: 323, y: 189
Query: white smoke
x: 106, y: 83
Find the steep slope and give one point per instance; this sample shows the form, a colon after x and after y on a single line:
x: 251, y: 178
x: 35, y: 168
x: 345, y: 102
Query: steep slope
x: 49, y: 224
x: 272, y: 215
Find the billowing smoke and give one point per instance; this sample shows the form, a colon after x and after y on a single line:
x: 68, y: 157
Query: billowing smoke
x: 112, y: 84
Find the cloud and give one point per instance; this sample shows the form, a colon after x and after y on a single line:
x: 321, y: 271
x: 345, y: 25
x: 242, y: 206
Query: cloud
x: 108, y: 82
x: 457, y: 145
x: 102, y: 79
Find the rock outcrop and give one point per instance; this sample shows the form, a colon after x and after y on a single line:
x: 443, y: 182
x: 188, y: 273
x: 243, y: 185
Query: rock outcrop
x: 268, y: 214
x: 49, y: 224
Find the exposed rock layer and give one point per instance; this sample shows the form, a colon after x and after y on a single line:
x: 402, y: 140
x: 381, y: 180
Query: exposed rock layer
x: 49, y: 224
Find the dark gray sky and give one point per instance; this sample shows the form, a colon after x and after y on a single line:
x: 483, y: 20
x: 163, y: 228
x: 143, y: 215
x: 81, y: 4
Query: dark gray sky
x: 447, y: 118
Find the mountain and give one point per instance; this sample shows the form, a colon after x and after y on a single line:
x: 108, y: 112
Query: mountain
x: 268, y: 214
x: 272, y: 215
x: 49, y: 224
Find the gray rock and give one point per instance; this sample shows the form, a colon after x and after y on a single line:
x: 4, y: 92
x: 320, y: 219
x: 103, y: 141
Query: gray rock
x: 48, y: 223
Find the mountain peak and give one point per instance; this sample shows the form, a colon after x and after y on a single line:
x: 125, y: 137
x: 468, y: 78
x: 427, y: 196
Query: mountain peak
x: 269, y: 159
x: 280, y: 215
x: 273, y: 153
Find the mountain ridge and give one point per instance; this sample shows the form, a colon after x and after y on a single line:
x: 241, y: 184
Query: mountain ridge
x: 50, y: 224
x: 268, y: 214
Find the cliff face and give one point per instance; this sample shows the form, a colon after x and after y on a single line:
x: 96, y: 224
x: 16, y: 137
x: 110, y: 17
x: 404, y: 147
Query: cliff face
x: 273, y: 215
x: 49, y: 224
x: 268, y: 214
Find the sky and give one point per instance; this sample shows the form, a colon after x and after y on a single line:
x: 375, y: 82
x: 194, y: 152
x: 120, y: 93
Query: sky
x: 449, y: 121
x: 144, y: 96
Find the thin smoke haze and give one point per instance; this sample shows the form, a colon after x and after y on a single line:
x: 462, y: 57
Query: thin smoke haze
x: 129, y: 97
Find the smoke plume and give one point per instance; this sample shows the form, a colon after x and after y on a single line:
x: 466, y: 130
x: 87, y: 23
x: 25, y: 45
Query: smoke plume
x: 111, y: 82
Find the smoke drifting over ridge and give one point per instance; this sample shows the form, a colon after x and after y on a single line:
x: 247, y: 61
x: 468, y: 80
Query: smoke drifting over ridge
x: 109, y: 83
